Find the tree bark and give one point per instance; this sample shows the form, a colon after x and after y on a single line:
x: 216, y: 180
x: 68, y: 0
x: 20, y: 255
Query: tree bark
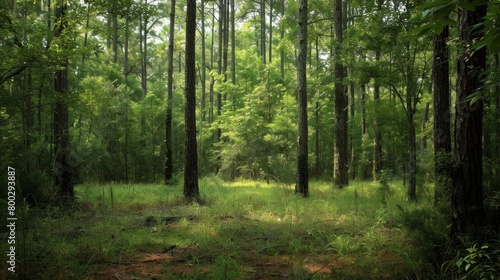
x: 467, y: 195
x: 191, y: 191
x: 302, y: 186
x: 441, y: 101
x: 377, y: 153
x: 282, y: 36
x: 170, y: 71
x: 341, y: 164
x: 63, y: 171
x: 263, y: 31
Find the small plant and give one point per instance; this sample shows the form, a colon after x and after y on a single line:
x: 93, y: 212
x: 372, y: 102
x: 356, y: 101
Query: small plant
x: 225, y: 267
x: 477, y: 262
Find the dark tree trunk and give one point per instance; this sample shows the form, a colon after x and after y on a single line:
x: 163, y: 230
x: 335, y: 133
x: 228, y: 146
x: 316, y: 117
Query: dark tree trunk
x: 425, y: 119
x: 191, y: 191
x: 212, y: 80
x: 302, y: 152
x: 467, y: 195
x: 341, y: 164
x: 115, y: 34
x: 63, y: 171
x: 203, y: 64
x: 270, y: 31
x: 282, y: 36
x: 233, y: 45
x: 125, y: 73
x: 442, y: 135
x: 263, y: 30
x: 377, y: 153
x: 170, y: 70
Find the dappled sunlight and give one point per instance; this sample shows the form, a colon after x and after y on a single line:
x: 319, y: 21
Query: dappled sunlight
x: 248, y: 229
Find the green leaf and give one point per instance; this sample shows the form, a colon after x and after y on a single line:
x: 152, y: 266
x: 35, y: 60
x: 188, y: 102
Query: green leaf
x: 467, y: 267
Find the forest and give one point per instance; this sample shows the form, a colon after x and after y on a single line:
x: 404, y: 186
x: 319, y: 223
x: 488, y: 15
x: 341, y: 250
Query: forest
x: 250, y: 139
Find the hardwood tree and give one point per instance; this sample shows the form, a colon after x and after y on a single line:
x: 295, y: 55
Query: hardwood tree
x: 191, y: 191
x: 302, y: 186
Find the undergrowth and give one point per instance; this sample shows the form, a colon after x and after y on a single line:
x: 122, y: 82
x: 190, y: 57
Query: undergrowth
x: 244, y: 230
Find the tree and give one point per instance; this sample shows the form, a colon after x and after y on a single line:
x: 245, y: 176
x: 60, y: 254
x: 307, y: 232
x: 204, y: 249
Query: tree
x: 341, y: 165
x: 63, y: 171
x: 170, y: 71
x: 302, y: 151
x: 442, y: 135
x: 191, y: 191
x: 467, y: 194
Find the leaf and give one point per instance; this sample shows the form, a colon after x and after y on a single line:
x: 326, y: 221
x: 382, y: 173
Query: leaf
x: 467, y: 267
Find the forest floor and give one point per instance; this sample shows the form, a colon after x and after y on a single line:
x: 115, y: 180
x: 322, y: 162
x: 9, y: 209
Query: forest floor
x: 241, y: 230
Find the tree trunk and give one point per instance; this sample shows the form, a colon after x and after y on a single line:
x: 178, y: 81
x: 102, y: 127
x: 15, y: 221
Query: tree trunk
x: 442, y: 135
x: 270, y: 31
x: 412, y: 186
x: 212, y: 80
x: 233, y: 45
x: 467, y: 195
x: 341, y: 164
x: 191, y: 191
x: 282, y: 36
x: 115, y: 34
x: 377, y: 153
x: 170, y: 71
x: 203, y: 64
x: 425, y: 119
x: 63, y: 171
x: 302, y: 186
x: 263, y: 31
x: 125, y: 73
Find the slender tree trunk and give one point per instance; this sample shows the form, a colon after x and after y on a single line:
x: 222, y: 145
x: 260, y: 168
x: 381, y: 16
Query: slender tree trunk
x: 233, y: 45
x: 467, y: 195
x: 115, y: 34
x: 170, y: 71
x: 496, y: 148
x: 28, y: 117
x: 412, y: 187
x: 341, y: 164
x: 212, y: 80
x: 263, y: 31
x: 203, y: 65
x: 377, y: 153
x: 425, y: 119
x: 302, y: 186
x: 63, y: 171
x: 191, y: 191
x: 220, y: 65
x: 125, y: 73
x: 282, y: 36
x: 270, y: 31
x: 317, y: 150
x: 85, y: 37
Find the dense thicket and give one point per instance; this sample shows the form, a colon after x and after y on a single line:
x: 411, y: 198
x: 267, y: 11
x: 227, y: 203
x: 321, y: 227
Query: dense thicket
x: 369, y: 72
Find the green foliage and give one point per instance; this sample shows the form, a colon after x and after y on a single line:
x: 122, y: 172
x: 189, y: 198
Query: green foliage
x: 478, y: 262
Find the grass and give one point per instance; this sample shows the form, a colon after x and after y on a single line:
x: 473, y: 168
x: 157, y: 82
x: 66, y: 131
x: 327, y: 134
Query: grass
x: 242, y: 230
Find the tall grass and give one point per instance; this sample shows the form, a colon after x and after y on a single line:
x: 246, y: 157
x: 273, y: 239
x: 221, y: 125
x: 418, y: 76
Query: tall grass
x: 241, y: 230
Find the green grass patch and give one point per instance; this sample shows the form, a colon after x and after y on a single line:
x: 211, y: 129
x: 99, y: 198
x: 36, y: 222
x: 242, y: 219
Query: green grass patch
x: 241, y: 230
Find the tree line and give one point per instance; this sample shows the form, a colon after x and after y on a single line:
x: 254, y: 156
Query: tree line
x: 144, y: 91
